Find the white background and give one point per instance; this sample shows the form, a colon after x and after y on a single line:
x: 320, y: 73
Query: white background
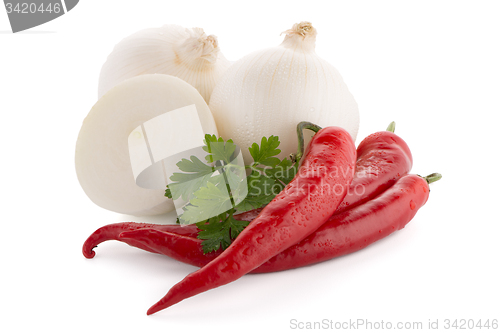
x: 432, y: 66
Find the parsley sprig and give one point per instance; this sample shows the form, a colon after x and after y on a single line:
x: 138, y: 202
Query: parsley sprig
x: 216, y: 186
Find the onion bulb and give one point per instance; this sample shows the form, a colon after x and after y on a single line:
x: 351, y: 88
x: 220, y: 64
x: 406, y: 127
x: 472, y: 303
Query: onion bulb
x: 269, y: 92
x: 102, y: 158
x: 188, y: 54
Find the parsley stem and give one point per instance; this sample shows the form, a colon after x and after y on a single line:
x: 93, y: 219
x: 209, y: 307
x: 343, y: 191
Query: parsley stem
x: 223, y: 172
x: 300, y: 136
x: 255, y: 167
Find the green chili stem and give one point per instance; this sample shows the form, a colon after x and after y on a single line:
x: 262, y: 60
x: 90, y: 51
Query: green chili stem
x: 300, y: 136
x: 433, y: 177
x: 391, y: 127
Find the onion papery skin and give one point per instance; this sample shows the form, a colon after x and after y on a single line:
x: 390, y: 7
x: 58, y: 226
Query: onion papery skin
x: 188, y: 54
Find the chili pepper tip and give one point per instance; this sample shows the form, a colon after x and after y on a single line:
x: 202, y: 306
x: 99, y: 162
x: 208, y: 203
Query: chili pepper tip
x: 89, y: 254
x: 154, y: 309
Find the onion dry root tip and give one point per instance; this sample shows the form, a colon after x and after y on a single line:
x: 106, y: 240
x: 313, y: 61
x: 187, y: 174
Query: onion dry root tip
x: 303, y: 29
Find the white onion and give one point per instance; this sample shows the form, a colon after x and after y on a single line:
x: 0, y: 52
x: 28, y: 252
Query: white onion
x: 102, y: 160
x: 269, y: 92
x: 188, y: 54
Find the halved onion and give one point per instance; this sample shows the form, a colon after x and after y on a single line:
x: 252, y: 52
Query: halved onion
x: 102, y: 156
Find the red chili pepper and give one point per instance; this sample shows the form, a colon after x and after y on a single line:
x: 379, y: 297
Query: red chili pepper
x: 112, y: 232
x: 382, y: 158
x: 361, y: 226
x: 302, y: 207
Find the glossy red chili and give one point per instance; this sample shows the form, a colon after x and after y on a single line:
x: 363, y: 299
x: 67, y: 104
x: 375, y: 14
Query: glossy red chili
x: 343, y: 233
x: 112, y: 232
x: 359, y: 227
x: 307, y: 202
x: 382, y: 158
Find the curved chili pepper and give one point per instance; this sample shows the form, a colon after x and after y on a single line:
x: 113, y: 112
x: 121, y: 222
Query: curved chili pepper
x: 112, y: 231
x: 382, y: 158
x: 361, y: 226
x: 296, y: 212
x: 181, y: 248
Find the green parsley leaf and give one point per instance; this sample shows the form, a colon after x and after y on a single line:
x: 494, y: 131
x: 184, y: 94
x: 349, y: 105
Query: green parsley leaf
x: 261, y: 190
x: 168, y: 193
x: 213, y: 234
x: 218, y: 149
x: 265, y: 153
x: 215, y: 190
x: 207, y: 201
x: 195, y: 175
x: 219, y: 232
x: 283, y: 173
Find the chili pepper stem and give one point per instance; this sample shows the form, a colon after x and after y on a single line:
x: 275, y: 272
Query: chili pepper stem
x: 433, y: 177
x: 391, y: 127
x: 300, y: 136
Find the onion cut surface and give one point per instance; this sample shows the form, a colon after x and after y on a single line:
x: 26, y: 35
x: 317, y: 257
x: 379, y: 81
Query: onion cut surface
x: 102, y: 156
